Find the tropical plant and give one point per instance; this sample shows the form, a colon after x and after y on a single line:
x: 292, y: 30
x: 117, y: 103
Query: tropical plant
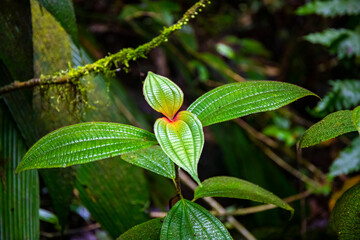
x: 181, y: 139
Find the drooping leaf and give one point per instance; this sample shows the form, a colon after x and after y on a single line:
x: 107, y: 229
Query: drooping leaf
x: 348, y: 160
x: 162, y: 94
x: 356, y: 118
x: 188, y: 220
x: 231, y: 187
x: 149, y: 230
x: 153, y: 159
x: 343, y: 42
x: 344, y: 218
x: 49, y: 217
x: 19, y: 193
x: 330, y: 8
x: 83, y: 143
x: 331, y: 126
x: 240, y: 99
x: 343, y: 95
x: 115, y: 193
x: 63, y: 11
x: 182, y: 140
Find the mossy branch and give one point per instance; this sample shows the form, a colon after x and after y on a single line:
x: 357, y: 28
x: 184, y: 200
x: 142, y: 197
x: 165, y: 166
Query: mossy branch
x: 110, y: 63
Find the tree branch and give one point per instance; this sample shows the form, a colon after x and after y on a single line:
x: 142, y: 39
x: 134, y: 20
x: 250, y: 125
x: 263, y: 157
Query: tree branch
x: 111, y: 63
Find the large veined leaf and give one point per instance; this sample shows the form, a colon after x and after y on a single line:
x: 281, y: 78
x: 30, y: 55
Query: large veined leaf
x: 162, y: 94
x: 182, y: 140
x: 348, y: 160
x: 231, y: 187
x: 331, y: 126
x: 344, y: 42
x: 153, y: 159
x: 188, y: 220
x: 343, y: 95
x: 149, y: 230
x: 115, y: 192
x: 240, y: 99
x: 356, y: 118
x: 19, y: 193
x: 344, y: 218
x: 63, y: 11
x: 85, y: 142
x: 330, y: 8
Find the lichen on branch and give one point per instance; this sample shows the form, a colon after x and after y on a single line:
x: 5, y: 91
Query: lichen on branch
x: 108, y: 64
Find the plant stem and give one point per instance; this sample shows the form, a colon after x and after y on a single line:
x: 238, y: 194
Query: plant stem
x: 110, y: 63
x: 177, y: 181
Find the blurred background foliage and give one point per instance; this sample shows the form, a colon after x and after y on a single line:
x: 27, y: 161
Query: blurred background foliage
x: 312, y: 44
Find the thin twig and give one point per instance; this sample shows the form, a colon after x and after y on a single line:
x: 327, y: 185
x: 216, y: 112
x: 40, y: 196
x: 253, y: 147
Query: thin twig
x: 110, y: 63
x: 219, y: 208
x: 71, y: 231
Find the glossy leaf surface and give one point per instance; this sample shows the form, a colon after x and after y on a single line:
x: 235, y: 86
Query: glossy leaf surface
x: 149, y: 230
x: 356, y: 118
x: 231, y: 187
x: 344, y: 218
x: 153, y: 159
x: 85, y: 142
x: 331, y: 126
x: 162, y: 94
x: 240, y: 99
x: 188, y: 220
x: 182, y: 140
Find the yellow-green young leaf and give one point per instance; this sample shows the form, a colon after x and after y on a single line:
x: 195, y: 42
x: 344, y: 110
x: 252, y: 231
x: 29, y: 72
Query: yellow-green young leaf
x: 153, y: 159
x: 356, y: 118
x: 83, y: 143
x: 188, y: 220
x: 149, y: 230
x: 182, y: 140
x: 231, y: 187
x: 162, y: 94
x: 331, y: 126
x: 240, y: 99
x: 344, y: 218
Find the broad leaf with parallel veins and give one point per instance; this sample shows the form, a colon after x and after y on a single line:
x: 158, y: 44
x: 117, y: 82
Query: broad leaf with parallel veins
x: 162, y: 94
x: 182, y: 140
x: 83, y: 143
x: 187, y: 220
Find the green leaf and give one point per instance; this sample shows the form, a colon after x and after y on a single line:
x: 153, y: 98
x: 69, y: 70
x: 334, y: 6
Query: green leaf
x: 19, y: 194
x: 231, y: 187
x: 188, y: 220
x: 63, y: 12
x: 330, y: 8
x: 344, y: 42
x: 115, y: 193
x: 344, y: 94
x: 356, y: 118
x: 225, y: 50
x: 153, y: 159
x: 331, y: 126
x: 348, y: 160
x: 182, y: 140
x: 85, y: 142
x: 149, y: 230
x: 162, y: 94
x: 344, y: 218
x: 49, y: 217
x: 240, y: 99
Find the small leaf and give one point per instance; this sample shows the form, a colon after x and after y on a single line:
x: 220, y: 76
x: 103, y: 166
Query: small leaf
x: 348, y: 160
x: 149, y: 230
x: 356, y: 118
x: 153, y: 159
x: 231, y: 187
x: 331, y: 126
x: 240, y: 99
x: 188, y: 220
x: 83, y: 143
x: 182, y: 140
x: 344, y: 218
x: 330, y: 8
x: 162, y: 94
